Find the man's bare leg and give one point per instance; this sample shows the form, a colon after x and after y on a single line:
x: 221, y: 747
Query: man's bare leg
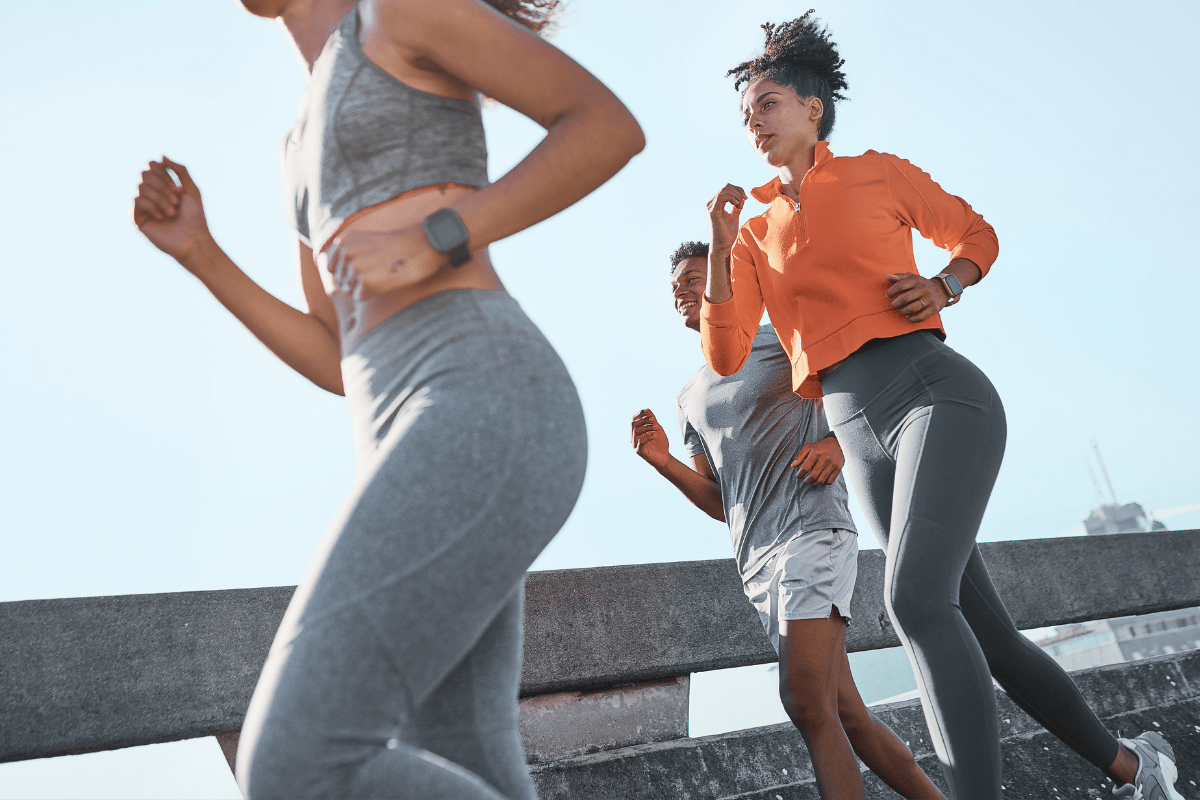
x: 811, y: 652
x: 878, y: 746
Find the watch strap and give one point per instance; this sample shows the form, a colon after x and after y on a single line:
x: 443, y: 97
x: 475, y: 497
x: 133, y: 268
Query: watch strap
x: 459, y: 255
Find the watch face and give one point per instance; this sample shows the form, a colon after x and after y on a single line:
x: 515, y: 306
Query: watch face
x: 445, y: 230
x: 955, y: 285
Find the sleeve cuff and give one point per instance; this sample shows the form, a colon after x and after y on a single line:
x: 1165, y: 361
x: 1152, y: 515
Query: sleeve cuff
x: 718, y: 315
x: 983, y: 256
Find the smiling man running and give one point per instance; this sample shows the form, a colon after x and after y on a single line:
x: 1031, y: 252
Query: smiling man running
x: 793, y: 538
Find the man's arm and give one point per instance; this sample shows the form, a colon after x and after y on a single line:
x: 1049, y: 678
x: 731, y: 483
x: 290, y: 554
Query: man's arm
x: 698, y: 485
x: 820, y: 461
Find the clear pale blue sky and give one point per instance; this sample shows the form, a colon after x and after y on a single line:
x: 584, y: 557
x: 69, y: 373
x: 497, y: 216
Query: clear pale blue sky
x: 151, y: 445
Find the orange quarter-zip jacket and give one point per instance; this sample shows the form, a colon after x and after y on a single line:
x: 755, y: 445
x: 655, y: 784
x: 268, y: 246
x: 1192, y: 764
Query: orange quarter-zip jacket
x: 818, y: 266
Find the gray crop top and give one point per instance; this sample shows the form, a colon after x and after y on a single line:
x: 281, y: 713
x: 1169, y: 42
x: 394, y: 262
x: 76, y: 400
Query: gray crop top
x: 362, y: 137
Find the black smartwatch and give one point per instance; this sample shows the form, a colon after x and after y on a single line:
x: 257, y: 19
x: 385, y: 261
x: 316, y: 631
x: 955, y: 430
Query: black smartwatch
x: 446, y: 232
x: 953, y: 286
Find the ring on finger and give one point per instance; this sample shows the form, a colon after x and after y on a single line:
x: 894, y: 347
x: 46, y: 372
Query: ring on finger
x: 922, y: 304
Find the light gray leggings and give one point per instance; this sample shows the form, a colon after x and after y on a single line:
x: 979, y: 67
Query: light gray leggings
x: 923, y: 431
x: 396, y: 669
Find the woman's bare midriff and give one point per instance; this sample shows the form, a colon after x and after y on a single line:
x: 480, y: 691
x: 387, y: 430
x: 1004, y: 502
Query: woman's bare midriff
x: 356, y: 318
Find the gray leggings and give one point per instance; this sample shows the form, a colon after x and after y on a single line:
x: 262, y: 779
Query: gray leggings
x: 396, y: 670
x: 923, y: 431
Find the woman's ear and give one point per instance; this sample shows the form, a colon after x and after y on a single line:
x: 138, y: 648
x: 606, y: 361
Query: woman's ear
x: 816, y: 109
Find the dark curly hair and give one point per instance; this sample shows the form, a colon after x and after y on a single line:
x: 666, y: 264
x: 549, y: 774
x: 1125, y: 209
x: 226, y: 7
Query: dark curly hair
x: 537, y: 15
x: 688, y: 250
x: 800, y: 55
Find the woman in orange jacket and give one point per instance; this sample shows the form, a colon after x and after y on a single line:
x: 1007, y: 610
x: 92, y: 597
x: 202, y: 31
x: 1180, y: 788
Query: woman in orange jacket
x: 922, y: 428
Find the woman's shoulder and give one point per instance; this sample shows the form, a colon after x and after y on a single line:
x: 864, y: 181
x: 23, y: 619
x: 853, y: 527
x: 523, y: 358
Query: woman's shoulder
x: 869, y: 159
x: 877, y: 159
x: 879, y: 165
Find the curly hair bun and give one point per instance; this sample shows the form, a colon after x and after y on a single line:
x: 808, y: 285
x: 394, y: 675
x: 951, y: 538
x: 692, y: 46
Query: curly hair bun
x: 799, y: 54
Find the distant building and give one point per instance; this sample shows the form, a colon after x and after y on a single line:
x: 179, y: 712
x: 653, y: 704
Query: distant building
x: 1157, y: 634
x: 1093, y: 644
x: 1090, y: 644
x: 1110, y: 518
x: 1111, y: 641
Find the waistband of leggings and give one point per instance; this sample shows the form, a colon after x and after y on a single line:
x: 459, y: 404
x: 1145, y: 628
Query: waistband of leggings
x: 437, y: 311
x: 878, y: 362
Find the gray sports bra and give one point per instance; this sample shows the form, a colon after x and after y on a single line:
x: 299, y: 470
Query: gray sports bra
x: 362, y: 137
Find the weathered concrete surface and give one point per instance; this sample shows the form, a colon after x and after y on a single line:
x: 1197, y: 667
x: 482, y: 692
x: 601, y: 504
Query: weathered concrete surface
x: 1056, y: 581
x: 100, y: 673
x: 87, y: 674
x: 597, y: 627
x: 768, y: 763
x: 566, y: 724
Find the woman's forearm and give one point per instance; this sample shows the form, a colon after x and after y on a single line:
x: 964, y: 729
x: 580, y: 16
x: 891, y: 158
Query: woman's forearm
x: 720, y: 286
x: 580, y: 151
x: 301, y: 340
x: 966, y: 270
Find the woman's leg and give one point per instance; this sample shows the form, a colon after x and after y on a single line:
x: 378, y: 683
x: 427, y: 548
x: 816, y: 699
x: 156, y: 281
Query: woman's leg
x: 470, y: 719
x: 878, y: 747
x: 1034, y: 680
x: 338, y: 722
x: 395, y: 671
x: 946, y: 462
x: 925, y: 444
x: 885, y: 451
x: 810, y: 659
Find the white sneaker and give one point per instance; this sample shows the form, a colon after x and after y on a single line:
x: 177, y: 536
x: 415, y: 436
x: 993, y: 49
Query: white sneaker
x: 1155, y: 779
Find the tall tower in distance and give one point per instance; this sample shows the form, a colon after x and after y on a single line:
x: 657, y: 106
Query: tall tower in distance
x: 1113, y: 517
x: 1123, y: 638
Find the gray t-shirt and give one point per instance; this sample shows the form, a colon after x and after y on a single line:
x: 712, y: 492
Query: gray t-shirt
x: 751, y: 425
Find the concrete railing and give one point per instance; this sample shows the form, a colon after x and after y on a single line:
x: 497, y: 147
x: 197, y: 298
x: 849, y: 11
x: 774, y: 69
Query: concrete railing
x: 608, y: 652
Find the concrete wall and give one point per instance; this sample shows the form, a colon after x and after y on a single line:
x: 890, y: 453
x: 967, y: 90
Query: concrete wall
x: 565, y: 724
x: 771, y: 763
x: 87, y: 674
x: 595, y: 627
x: 100, y: 673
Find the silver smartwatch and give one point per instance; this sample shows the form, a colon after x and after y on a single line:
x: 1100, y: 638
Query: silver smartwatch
x: 953, y: 286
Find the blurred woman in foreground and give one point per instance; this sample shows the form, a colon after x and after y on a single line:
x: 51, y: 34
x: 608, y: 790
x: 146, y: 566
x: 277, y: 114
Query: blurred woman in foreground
x: 396, y: 669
